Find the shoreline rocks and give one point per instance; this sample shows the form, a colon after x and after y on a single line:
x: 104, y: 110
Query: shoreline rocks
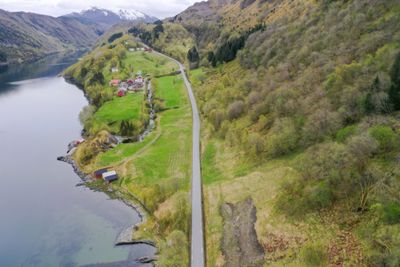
x: 68, y: 159
x: 125, y: 237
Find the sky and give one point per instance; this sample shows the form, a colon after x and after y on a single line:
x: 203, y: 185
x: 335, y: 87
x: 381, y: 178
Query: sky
x: 157, y: 8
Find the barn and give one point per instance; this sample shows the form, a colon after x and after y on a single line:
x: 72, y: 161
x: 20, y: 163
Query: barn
x: 110, y: 176
x: 99, y: 173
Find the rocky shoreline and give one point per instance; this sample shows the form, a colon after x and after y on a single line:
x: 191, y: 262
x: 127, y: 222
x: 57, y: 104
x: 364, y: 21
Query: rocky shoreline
x: 124, y: 238
x: 68, y: 159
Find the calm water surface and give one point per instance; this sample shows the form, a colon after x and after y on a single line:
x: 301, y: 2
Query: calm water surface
x: 45, y: 220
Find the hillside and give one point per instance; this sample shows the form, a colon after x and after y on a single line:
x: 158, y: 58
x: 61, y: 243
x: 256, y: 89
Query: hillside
x: 27, y: 36
x: 300, y: 103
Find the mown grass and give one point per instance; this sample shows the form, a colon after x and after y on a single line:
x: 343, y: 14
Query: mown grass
x: 149, y: 63
x: 164, y: 90
x: 169, y: 157
x: 130, y: 107
x: 121, y: 108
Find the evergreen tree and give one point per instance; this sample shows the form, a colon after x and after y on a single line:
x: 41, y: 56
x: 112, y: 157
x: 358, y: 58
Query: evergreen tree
x: 114, y: 37
x: 126, y: 128
x: 157, y: 30
x: 211, y: 58
x: 3, y: 57
x: 369, y: 105
x: 394, y: 91
x: 193, y: 55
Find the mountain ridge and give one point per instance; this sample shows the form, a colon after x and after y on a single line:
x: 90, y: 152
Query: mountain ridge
x: 27, y: 36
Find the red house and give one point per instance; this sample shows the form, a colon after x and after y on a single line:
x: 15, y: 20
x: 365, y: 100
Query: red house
x: 114, y: 82
x: 99, y: 173
x: 121, y: 93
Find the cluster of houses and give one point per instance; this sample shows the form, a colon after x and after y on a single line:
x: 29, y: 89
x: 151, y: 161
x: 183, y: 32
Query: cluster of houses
x: 106, y: 174
x: 74, y: 144
x: 135, y: 84
x: 146, y: 49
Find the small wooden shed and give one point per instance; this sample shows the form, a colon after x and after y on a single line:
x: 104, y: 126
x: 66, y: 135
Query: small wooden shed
x: 110, y: 176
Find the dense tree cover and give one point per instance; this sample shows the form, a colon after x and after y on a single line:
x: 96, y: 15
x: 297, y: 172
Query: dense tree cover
x: 228, y: 49
x: 394, y: 91
x: 114, y: 37
x: 157, y: 30
x: 329, y: 96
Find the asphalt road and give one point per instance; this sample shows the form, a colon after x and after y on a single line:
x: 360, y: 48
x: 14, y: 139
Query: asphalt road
x: 197, y: 243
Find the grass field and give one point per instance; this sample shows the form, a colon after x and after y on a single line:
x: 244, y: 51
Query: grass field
x: 121, y: 108
x: 130, y: 107
x: 149, y: 63
x: 172, y: 98
x: 169, y: 155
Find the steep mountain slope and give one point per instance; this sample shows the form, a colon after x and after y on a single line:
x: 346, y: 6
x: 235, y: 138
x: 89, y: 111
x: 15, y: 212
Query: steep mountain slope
x: 107, y: 18
x: 300, y: 102
x: 26, y: 36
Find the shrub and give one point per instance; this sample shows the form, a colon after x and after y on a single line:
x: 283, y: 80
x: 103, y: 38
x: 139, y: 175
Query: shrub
x: 86, y: 113
x: 236, y: 109
x: 282, y: 138
x: 388, y: 212
x: 319, y: 196
x: 314, y: 255
x: 386, y: 138
x: 174, y: 250
x: 344, y: 133
x: 387, y: 246
x: 320, y: 124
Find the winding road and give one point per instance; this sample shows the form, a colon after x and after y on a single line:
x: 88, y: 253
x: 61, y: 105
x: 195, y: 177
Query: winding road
x: 197, y: 255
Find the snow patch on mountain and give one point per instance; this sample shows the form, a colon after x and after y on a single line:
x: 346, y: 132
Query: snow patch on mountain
x: 131, y: 14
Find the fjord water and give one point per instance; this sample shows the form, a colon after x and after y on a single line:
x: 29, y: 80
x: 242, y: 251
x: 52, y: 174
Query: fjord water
x: 45, y: 220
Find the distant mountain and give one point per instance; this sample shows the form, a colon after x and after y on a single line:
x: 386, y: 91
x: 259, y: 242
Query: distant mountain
x: 28, y: 36
x: 107, y: 18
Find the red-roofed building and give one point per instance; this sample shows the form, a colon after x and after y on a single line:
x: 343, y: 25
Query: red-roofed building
x: 114, y: 82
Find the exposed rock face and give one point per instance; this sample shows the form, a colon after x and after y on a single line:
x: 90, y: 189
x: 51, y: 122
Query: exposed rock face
x: 240, y: 245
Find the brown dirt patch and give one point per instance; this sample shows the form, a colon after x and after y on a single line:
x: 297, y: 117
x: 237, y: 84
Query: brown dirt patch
x: 240, y: 245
